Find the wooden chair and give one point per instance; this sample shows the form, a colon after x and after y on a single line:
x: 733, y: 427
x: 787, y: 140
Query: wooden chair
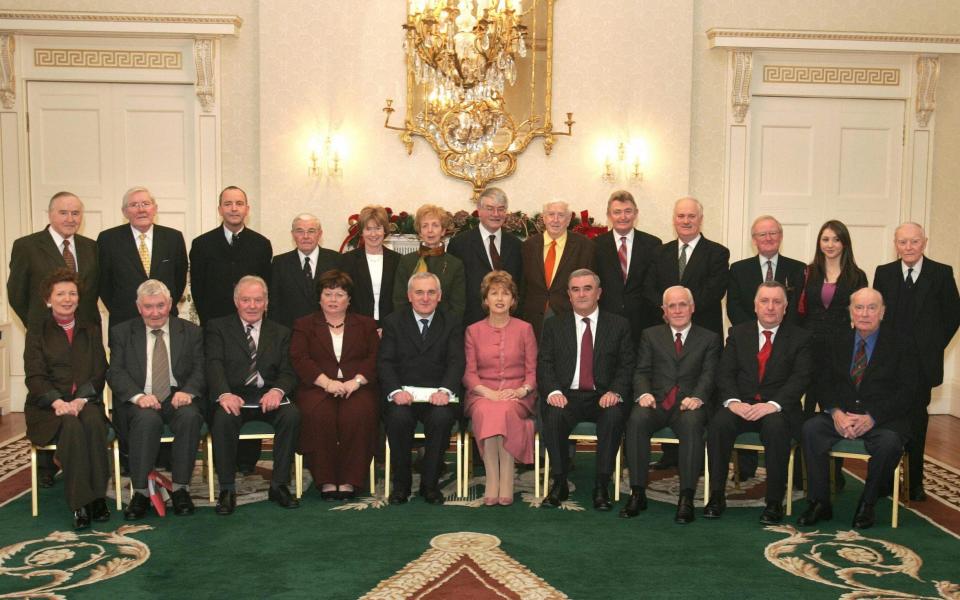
x: 858, y: 450
x: 667, y: 436
x: 113, y: 443
x: 456, y: 435
x: 584, y: 431
x: 750, y: 440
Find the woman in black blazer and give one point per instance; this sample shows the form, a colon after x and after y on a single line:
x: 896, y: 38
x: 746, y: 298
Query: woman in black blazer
x: 372, y: 266
x: 65, y: 365
x: 831, y: 278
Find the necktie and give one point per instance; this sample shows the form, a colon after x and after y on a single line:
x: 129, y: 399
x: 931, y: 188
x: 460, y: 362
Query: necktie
x: 586, y: 357
x: 671, y: 398
x: 764, y: 355
x: 68, y: 257
x: 548, y: 263
x: 252, y: 373
x: 769, y: 275
x: 683, y: 259
x: 306, y: 269
x: 859, y: 364
x: 234, y: 239
x: 909, y: 279
x: 494, y: 255
x: 160, y: 376
x: 622, y: 254
x: 424, y: 327
x: 144, y: 254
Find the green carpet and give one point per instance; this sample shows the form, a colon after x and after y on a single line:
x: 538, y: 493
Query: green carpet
x: 263, y: 551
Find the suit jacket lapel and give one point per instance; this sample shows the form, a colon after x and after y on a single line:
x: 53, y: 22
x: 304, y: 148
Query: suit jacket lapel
x: 780, y: 342
x: 139, y: 335
x: 326, y: 338
x: 634, y: 254
x: 131, y: 251
x: 694, y: 260
x: 568, y: 249
x: 921, y: 286
x: 49, y: 248
x: 176, y: 344
x: 302, y: 282
x: 480, y: 248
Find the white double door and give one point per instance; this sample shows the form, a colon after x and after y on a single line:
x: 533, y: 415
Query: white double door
x: 815, y: 159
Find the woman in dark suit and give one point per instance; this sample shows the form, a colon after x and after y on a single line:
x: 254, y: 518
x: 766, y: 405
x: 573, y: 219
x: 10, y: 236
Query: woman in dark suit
x: 335, y: 356
x: 65, y: 366
x: 372, y: 266
x: 831, y: 278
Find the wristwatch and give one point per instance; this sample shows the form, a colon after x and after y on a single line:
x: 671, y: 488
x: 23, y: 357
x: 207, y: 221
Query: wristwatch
x: 358, y: 379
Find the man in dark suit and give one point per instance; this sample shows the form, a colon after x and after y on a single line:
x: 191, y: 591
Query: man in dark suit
x: 746, y: 275
x: 764, y: 371
x: 583, y: 372
x: 250, y: 377
x: 422, y: 347
x: 623, y: 257
x: 219, y: 258
x: 674, y: 378
x: 293, y: 273
x: 34, y: 257
x: 548, y: 259
x: 486, y: 248
x: 132, y: 253
x: 160, y: 381
x: 923, y: 308
x: 867, y: 390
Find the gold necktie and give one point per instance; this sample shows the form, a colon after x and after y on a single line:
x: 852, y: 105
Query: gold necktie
x: 144, y: 254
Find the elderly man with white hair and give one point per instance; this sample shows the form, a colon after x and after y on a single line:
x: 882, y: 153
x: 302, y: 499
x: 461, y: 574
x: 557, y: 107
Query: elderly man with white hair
x: 293, y: 273
x: 548, y: 259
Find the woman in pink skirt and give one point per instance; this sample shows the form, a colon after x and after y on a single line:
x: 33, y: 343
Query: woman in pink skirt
x: 501, y: 380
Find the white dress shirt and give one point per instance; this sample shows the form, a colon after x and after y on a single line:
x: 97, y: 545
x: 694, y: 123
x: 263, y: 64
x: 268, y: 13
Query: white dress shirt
x: 313, y: 260
x: 58, y: 241
x: 629, y: 236
x: 151, y: 346
x: 761, y: 340
x: 497, y: 238
x: 916, y: 269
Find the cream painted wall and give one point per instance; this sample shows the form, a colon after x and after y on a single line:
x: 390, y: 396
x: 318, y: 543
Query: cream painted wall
x: 622, y: 68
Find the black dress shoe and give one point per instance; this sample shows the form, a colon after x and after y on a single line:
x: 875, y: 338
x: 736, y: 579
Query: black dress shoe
x: 636, y: 503
x: 98, y: 510
x: 559, y: 492
x: 601, y: 497
x: 282, y: 496
x: 137, y: 509
x: 918, y: 494
x: 347, y: 494
x: 45, y: 480
x: 864, y: 517
x: 432, y: 495
x: 744, y: 476
x: 329, y: 495
x: 226, y: 502
x: 684, y: 511
x: 81, y: 518
x: 816, y: 511
x: 182, y: 503
x: 398, y: 496
x: 716, y: 505
x: 772, y: 514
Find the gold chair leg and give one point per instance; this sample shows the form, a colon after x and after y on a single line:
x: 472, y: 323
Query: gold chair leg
x: 116, y: 473
x: 706, y: 476
x: 618, y: 474
x: 793, y: 451
x: 546, y: 474
x: 896, y: 496
x: 209, y: 442
x: 536, y: 465
x: 34, y: 505
x: 386, y: 469
x: 373, y: 477
x: 298, y: 472
x: 466, y: 463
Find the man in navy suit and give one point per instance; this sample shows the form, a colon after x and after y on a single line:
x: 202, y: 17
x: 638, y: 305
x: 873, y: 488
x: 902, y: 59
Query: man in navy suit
x: 584, y: 373
x: 294, y: 273
x: 924, y: 309
x: 486, y: 248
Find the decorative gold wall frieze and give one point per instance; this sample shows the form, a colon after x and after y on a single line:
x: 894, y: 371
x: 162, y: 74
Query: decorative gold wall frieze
x: 848, y: 36
x: 107, y: 59
x: 8, y: 89
x: 121, y: 18
x: 928, y: 73
x: 831, y: 75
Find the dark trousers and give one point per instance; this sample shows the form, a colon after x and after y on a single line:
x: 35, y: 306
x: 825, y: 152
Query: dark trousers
x: 226, y: 430
x: 819, y: 435
x: 687, y: 424
x: 145, y: 427
x: 558, y: 423
x: 775, y: 435
x: 343, y: 432
x: 918, y: 435
x: 82, y: 452
x: 401, y: 423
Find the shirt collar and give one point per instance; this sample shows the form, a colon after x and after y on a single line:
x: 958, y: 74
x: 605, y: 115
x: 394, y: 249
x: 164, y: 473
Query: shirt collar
x: 683, y: 332
x: 58, y: 239
x: 628, y: 235
x: 313, y: 255
x: 256, y: 324
x: 594, y: 316
x: 165, y: 329
x: 692, y: 243
x: 486, y: 233
x: 137, y: 232
x: 761, y: 328
x: 916, y: 268
x: 229, y: 234
x: 773, y: 259
x: 417, y: 316
x: 547, y: 239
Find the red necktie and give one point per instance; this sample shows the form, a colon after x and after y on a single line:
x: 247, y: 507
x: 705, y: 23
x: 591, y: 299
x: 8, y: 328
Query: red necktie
x: 762, y: 357
x: 548, y: 263
x: 622, y: 253
x: 586, y: 357
x: 859, y: 364
x: 671, y: 397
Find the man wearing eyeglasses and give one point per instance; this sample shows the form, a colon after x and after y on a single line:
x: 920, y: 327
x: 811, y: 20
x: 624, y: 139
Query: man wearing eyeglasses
x: 136, y: 251
x: 293, y: 273
x: 486, y: 248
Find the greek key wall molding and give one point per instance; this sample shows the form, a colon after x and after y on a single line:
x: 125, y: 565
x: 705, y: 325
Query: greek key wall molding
x: 203, y: 57
x: 107, y: 59
x: 831, y: 75
x: 8, y: 90
x: 742, y: 72
x: 928, y: 73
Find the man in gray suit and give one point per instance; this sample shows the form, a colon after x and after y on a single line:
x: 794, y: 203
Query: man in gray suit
x: 162, y: 381
x: 676, y: 366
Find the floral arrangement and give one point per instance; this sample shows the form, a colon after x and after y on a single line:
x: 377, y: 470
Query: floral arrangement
x: 518, y: 223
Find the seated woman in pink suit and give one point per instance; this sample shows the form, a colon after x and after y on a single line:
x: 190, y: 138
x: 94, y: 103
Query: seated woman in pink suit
x: 334, y: 353
x: 500, y: 380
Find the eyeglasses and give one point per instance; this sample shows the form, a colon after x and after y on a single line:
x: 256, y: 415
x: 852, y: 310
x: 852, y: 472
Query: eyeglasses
x: 494, y: 209
x: 144, y: 204
x: 767, y: 235
x: 303, y: 231
x: 677, y: 306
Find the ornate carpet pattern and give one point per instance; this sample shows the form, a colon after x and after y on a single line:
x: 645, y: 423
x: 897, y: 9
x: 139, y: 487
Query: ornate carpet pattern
x: 464, y: 565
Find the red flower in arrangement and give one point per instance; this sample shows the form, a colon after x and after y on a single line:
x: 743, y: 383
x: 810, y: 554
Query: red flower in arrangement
x: 389, y: 210
x: 475, y: 213
x: 394, y: 218
x: 586, y: 226
x: 403, y: 214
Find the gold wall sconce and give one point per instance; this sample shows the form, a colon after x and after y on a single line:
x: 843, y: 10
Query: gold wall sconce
x: 479, y: 83
x: 326, y: 157
x: 623, y: 161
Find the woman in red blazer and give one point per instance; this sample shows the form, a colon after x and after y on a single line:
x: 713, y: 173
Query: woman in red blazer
x: 335, y: 356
